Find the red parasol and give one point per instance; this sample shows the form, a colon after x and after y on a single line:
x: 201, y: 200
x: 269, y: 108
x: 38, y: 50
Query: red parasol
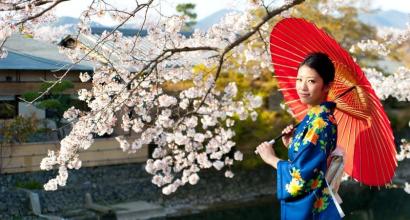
x: 364, y: 131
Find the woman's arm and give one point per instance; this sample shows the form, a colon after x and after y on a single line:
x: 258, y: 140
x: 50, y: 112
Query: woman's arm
x: 267, y: 154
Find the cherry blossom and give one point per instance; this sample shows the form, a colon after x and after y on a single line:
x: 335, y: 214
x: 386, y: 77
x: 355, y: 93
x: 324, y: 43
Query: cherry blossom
x: 229, y: 174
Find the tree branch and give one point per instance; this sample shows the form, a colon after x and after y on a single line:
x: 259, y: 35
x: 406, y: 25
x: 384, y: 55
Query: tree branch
x: 16, y: 7
x: 57, y: 2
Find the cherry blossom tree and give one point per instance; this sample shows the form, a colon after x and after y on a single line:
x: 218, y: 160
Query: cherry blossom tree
x: 192, y: 130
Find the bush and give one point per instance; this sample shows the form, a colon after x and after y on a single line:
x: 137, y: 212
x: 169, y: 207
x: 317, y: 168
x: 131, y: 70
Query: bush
x: 18, y: 129
x: 31, y: 184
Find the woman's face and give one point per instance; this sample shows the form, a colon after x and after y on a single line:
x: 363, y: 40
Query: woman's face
x: 310, y: 86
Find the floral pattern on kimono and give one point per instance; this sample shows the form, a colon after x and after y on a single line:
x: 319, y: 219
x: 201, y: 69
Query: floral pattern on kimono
x: 301, y: 186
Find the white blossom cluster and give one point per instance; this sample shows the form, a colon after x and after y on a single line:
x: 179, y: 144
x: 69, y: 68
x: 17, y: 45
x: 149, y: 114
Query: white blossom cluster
x: 371, y: 45
x: 331, y: 6
x: 404, y: 150
x: 389, y: 37
x: 397, y: 37
x: 191, y: 128
x: 407, y: 187
x: 193, y: 150
x: 396, y: 85
x: 80, y: 138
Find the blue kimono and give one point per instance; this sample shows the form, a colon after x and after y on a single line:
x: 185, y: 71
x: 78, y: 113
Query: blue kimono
x: 301, y: 186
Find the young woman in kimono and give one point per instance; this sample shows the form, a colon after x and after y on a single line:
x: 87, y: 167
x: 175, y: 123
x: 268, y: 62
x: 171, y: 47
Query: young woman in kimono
x: 301, y: 186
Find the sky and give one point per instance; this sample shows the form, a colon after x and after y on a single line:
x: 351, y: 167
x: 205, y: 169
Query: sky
x: 73, y: 7
x: 399, y: 5
x: 207, y: 7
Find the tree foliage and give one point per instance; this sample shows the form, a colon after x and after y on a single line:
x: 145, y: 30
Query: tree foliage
x: 187, y: 9
x: 17, y: 130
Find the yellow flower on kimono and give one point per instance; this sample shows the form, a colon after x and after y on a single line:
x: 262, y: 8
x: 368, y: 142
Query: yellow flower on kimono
x: 294, y: 187
x: 319, y: 123
x: 296, y: 184
x: 311, y: 136
x: 316, y: 110
x: 296, y: 174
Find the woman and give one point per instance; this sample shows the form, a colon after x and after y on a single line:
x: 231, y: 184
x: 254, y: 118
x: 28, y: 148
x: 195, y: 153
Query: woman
x: 301, y: 186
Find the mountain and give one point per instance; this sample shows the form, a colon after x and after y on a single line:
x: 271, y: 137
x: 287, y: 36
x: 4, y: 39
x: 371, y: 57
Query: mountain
x: 96, y: 28
x: 378, y: 18
x: 66, y: 20
x: 212, y: 19
x: 389, y: 18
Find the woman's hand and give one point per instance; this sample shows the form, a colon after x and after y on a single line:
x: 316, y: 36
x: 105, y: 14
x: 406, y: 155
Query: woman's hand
x: 267, y: 154
x: 287, y: 137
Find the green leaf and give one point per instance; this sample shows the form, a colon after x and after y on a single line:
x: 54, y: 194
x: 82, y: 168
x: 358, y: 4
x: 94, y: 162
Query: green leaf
x: 58, y: 88
x: 30, y: 96
x: 50, y: 104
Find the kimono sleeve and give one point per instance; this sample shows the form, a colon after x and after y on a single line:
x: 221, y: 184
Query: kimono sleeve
x: 294, y: 178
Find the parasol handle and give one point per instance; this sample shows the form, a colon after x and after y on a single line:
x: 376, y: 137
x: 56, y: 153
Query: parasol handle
x: 337, y: 97
x: 281, y: 135
x: 273, y: 141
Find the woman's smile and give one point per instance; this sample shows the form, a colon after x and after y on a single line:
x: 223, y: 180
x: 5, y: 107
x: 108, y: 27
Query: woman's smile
x: 303, y: 95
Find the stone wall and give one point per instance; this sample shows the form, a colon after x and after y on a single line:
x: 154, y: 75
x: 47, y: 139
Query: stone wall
x: 121, y: 183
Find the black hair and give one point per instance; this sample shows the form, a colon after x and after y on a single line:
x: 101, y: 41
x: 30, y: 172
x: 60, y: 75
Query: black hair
x: 322, y: 64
